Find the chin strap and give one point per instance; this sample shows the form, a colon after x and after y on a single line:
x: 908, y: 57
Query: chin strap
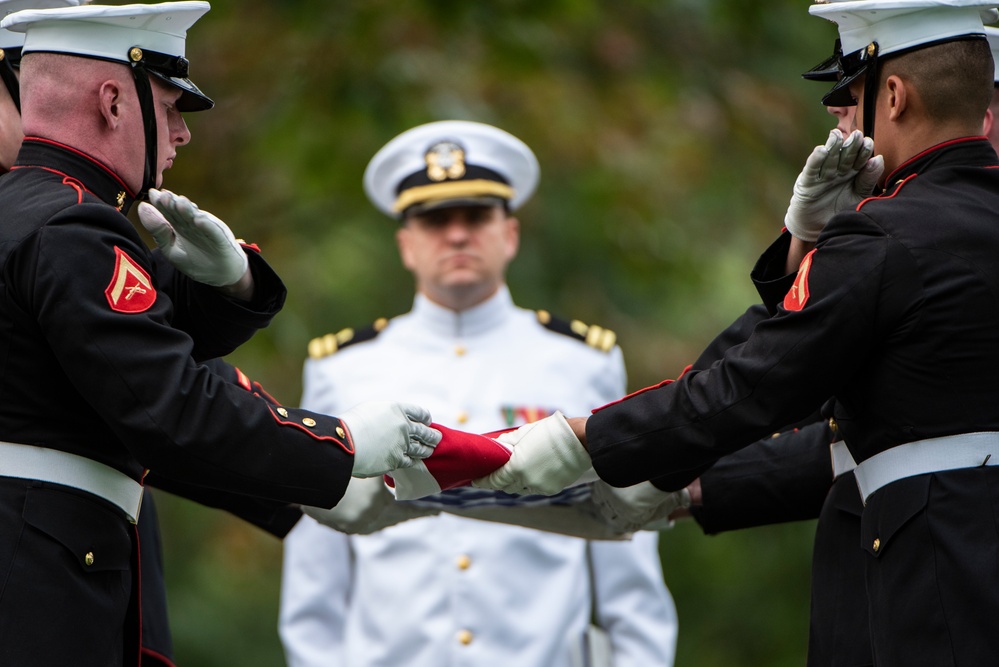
x: 871, y: 88
x: 9, y: 77
x: 145, y: 91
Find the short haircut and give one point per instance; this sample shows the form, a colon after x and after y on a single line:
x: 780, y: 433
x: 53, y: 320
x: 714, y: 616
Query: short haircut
x: 955, y: 80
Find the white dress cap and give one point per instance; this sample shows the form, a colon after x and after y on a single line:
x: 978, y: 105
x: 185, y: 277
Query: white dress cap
x: 107, y: 32
x: 993, y: 35
x: 153, y: 36
x: 897, y: 25
x: 449, y: 163
x: 14, y: 40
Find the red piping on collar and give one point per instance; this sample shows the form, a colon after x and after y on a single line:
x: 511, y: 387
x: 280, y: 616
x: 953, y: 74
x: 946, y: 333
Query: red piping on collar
x: 84, y: 156
x: 932, y: 149
x: 895, y: 192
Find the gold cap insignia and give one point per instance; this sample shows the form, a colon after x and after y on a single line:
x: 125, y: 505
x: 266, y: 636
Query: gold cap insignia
x: 445, y: 160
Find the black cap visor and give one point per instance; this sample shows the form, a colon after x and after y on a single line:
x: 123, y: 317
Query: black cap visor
x: 191, y: 98
x: 851, y: 67
x: 173, y: 70
x: 828, y: 69
x: 484, y: 201
x: 840, y: 95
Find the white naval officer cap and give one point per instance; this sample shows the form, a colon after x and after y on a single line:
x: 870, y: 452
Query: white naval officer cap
x: 451, y: 163
x: 150, y: 36
x: 10, y: 41
x: 993, y: 36
x: 872, y: 29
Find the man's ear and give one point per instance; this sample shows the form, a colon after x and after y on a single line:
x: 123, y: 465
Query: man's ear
x: 402, y: 237
x: 988, y: 122
x: 897, y: 97
x: 512, y: 237
x: 110, y: 103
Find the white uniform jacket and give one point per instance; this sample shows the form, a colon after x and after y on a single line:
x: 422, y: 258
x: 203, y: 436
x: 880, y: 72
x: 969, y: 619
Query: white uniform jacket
x: 445, y: 591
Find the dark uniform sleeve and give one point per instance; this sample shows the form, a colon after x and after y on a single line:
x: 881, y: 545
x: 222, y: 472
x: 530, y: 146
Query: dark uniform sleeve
x: 138, y: 374
x: 273, y: 517
x: 783, y: 477
x: 769, y: 276
x: 216, y: 323
x: 775, y: 480
x: 859, y: 286
x: 737, y: 333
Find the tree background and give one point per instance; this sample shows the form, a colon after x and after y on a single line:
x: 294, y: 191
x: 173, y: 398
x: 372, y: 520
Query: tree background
x: 669, y: 134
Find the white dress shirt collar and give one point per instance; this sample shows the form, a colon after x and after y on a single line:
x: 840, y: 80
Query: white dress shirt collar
x: 475, y: 321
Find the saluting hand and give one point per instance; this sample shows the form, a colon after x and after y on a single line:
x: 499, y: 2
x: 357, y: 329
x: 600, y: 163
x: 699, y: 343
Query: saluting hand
x: 196, y: 242
x: 836, y: 177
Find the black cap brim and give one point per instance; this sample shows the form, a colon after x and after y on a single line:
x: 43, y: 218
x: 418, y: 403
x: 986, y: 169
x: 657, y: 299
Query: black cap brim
x: 484, y: 201
x: 829, y: 69
x: 191, y: 98
x: 840, y: 95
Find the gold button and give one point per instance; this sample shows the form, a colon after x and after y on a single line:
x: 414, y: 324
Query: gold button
x: 465, y: 637
x: 282, y: 412
x: 459, y: 350
x: 309, y: 421
x: 89, y: 558
x: 462, y: 417
x: 877, y: 544
x: 340, y: 432
x: 833, y: 426
x: 775, y: 435
x: 464, y: 562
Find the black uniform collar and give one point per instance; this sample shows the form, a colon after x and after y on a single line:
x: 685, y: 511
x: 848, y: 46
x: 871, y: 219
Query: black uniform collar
x: 95, y: 177
x: 966, y: 151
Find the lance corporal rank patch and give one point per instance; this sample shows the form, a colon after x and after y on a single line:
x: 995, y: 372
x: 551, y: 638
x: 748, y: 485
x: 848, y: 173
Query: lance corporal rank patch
x: 130, y: 289
x: 797, y: 296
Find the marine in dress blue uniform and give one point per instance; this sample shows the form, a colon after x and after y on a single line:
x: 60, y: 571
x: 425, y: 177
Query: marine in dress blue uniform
x: 102, y: 367
x: 891, y: 316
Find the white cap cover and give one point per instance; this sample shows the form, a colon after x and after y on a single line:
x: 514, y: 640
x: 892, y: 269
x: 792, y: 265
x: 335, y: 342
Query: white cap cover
x: 151, y: 36
x: 14, y: 40
x: 897, y: 25
x: 451, y: 163
x: 993, y: 36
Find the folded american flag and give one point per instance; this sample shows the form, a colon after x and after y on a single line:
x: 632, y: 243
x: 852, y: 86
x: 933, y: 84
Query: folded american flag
x: 443, y: 479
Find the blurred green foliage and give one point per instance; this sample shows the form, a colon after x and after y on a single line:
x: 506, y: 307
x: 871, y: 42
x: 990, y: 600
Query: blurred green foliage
x: 669, y: 134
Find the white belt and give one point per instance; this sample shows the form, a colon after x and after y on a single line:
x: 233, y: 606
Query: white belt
x: 952, y: 452
x: 79, y: 472
x: 842, y: 459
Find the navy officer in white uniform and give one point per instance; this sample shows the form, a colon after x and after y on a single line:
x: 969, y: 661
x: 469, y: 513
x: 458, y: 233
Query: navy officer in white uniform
x: 446, y: 590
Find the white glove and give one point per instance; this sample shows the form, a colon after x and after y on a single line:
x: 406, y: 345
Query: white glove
x: 637, y: 507
x: 547, y: 457
x: 196, y: 242
x: 367, y: 506
x: 388, y: 436
x: 836, y: 177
